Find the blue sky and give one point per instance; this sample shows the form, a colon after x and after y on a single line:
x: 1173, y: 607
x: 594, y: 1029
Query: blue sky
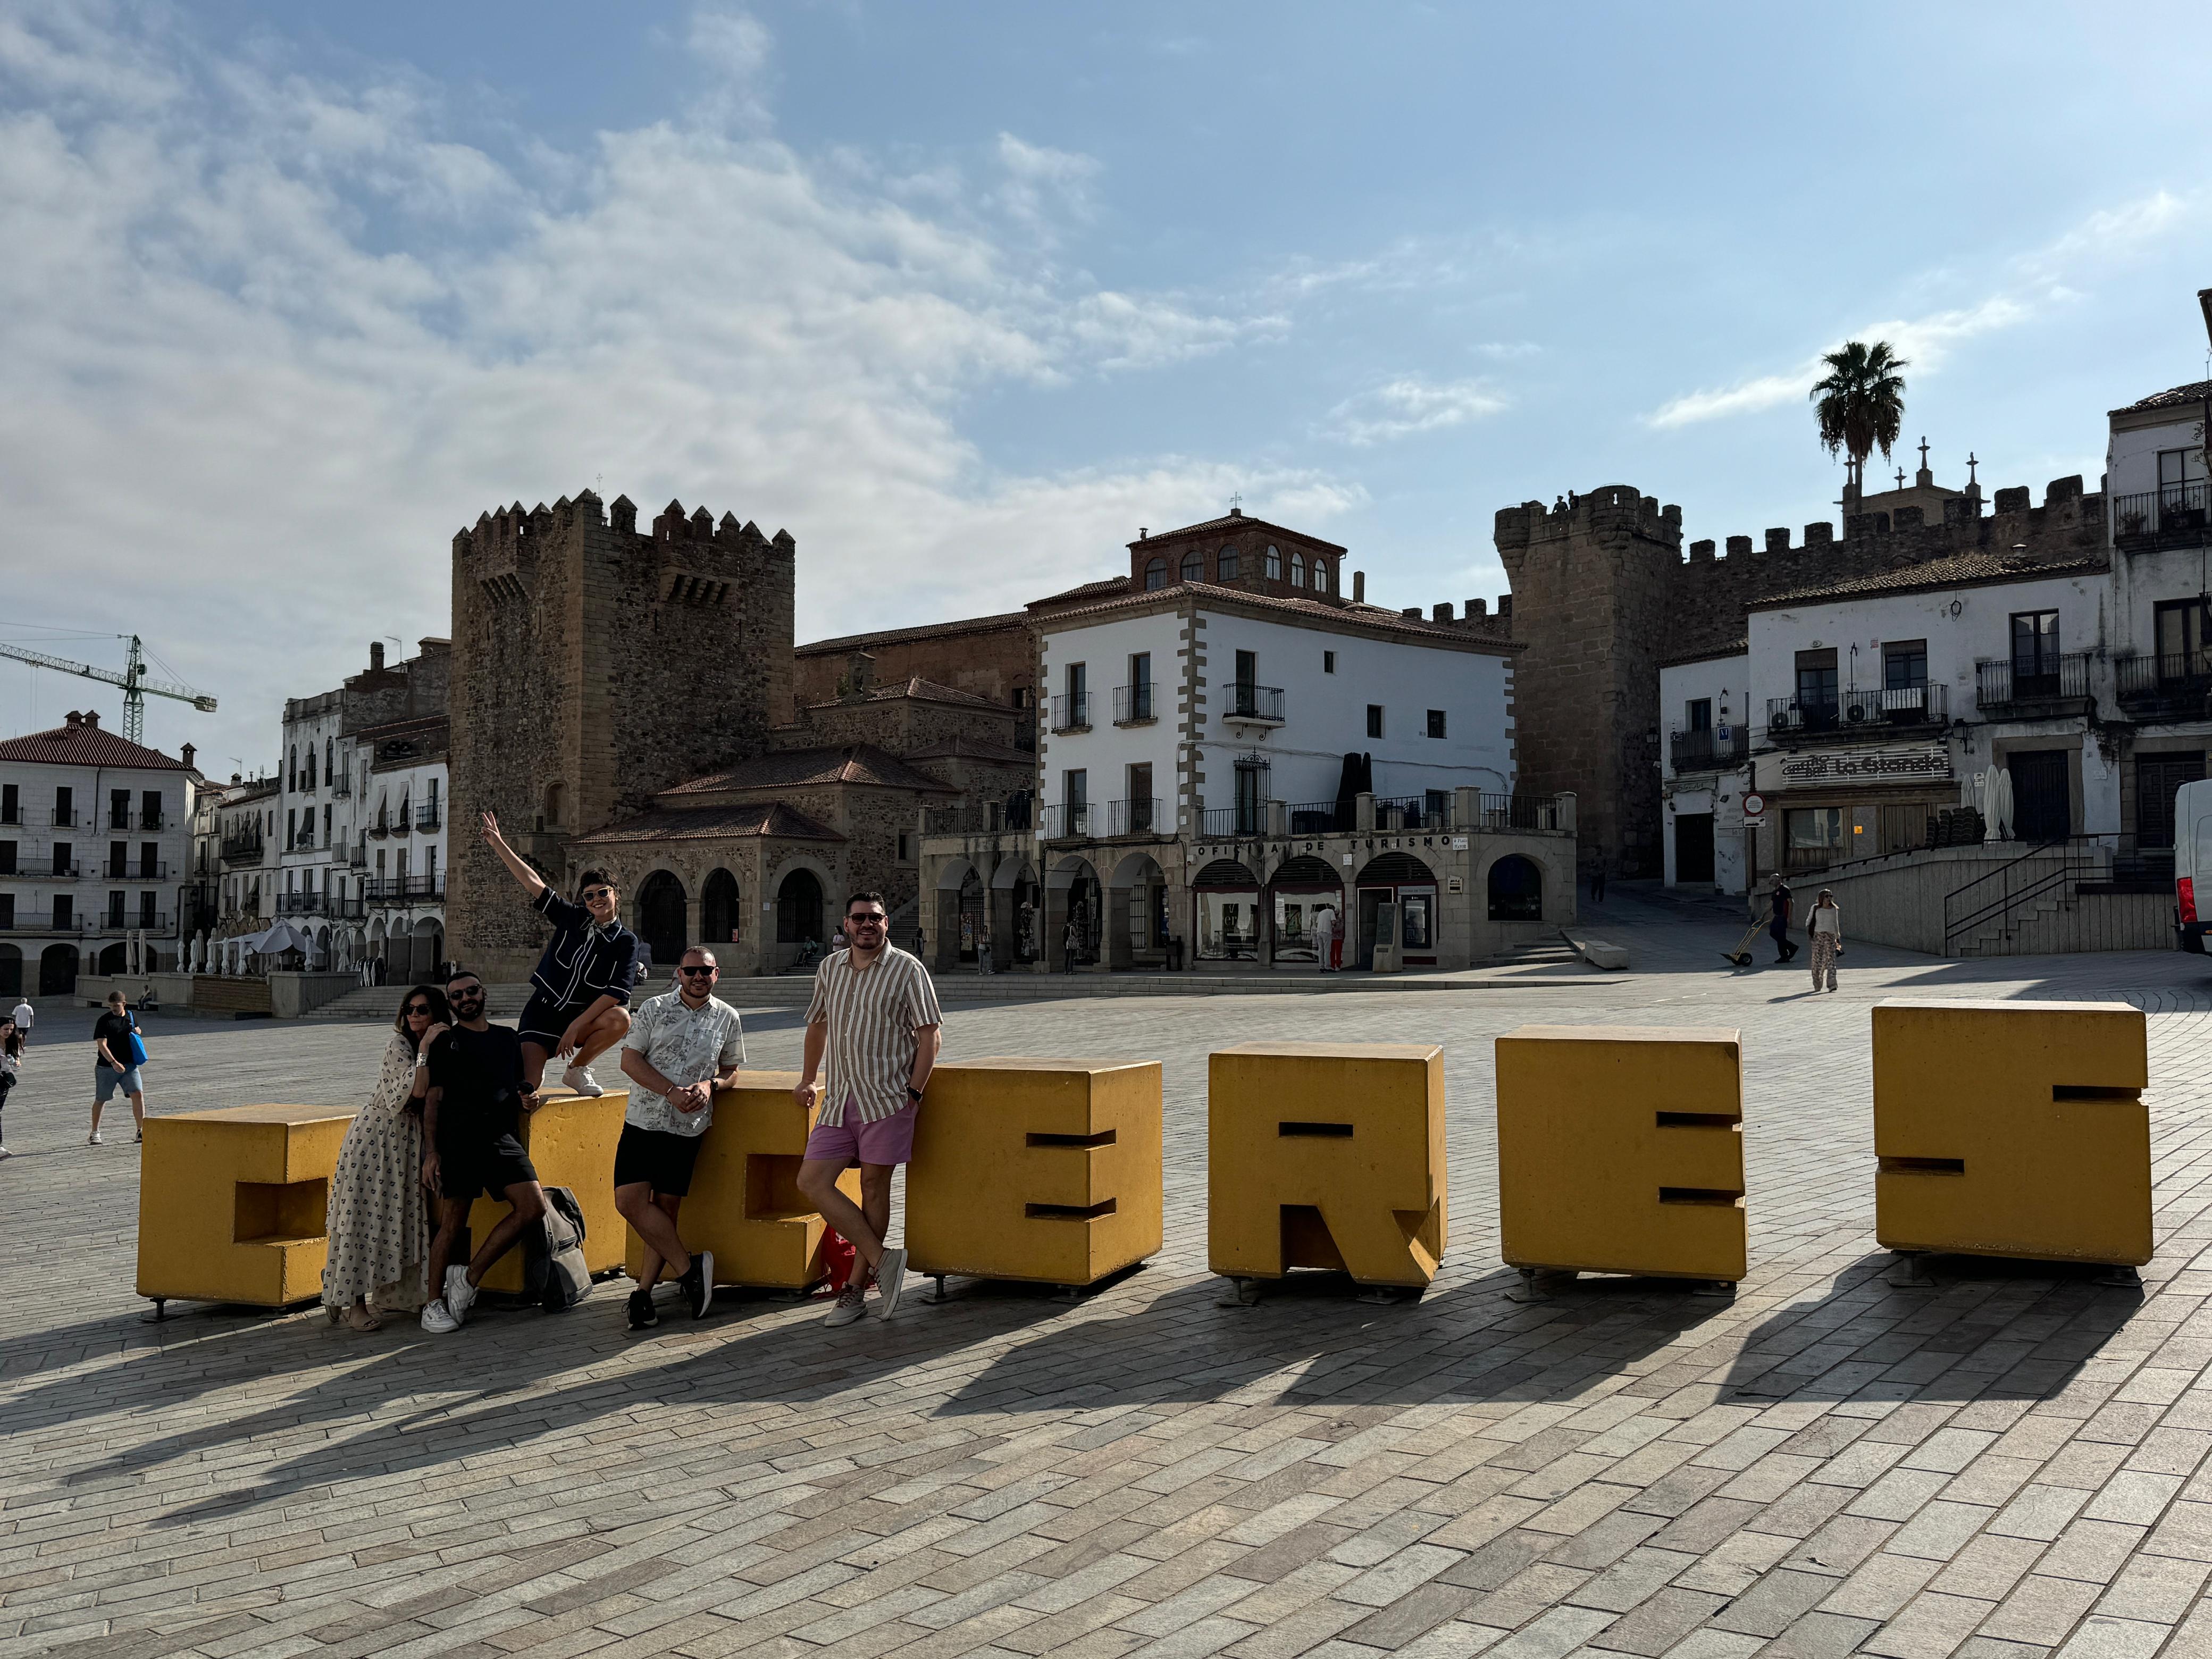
x: 962, y: 295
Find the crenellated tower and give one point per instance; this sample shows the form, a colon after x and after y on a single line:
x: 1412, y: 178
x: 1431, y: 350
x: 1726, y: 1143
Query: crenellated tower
x: 594, y: 665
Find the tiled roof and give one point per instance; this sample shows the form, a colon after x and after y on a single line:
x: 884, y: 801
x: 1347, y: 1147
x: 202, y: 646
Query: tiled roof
x: 1960, y: 570
x: 1235, y: 521
x: 1371, y: 615
x: 86, y: 745
x: 2195, y: 392
x: 768, y: 819
x: 1087, y: 592
x: 1733, y: 648
x: 962, y: 748
x: 922, y: 631
x: 928, y: 689
x: 792, y: 768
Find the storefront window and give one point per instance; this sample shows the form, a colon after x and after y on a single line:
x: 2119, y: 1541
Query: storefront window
x: 1419, y: 914
x: 1813, y: 836
x: 1229, y: 925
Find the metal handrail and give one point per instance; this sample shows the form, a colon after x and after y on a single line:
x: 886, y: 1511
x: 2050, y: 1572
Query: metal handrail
x: 1958, y: 920
x: 1132, y: 704
x: 1999, y: 680
x: 1071, y: 712
x: 1254, y: 702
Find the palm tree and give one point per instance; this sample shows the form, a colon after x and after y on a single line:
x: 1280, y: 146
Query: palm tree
x: 1860, y: 404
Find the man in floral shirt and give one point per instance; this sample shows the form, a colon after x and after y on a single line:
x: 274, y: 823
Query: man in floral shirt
x: 682, y: 1047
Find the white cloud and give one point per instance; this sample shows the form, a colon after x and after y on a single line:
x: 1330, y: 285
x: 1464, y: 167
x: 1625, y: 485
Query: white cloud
x: 271, y: 339
x: 1925, y: 342
x: 1410, y: 405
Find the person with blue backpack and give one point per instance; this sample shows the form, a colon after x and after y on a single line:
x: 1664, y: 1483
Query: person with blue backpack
x: 121, y: 1052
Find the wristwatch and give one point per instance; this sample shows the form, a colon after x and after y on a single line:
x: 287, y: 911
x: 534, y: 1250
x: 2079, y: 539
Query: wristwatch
x: 913, y: 1093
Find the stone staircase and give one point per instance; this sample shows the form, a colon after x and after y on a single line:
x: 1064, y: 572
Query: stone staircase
x: 2040, y: 926
x: 381, y: 1002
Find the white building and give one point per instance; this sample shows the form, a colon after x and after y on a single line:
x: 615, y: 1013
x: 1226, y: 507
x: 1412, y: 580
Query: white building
x: 316, y: 884
x: 247, y: 826
x: 95, y: 838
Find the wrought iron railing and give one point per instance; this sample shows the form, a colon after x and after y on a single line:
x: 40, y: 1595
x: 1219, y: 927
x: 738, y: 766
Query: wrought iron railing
x: 1851, y: 712
x: 1066, y: 823
x: 1071, y: 712
x: 2172, y: 675
x: 2161, y: 511
x: 1324, y: 817
x: 2000, y: 682
x: 136, y: 870
x: 1705, y: 751
x: 1519, y: 812
x: 426, y: 816
x: 1429, y: 811
x: 1252, y: 703
x: 1222, y: 823
x: 1143, y: 815
x: 1133, y: 704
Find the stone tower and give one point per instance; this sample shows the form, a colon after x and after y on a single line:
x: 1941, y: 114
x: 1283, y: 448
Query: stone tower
x: 593, y: 665
x: 1591, y: 587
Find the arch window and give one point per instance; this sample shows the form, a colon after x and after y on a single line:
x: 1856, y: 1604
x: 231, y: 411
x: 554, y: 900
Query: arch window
x: 798, y: 910
x: 1193, y: 568
x: 1516, y: 889
x: 661, y: 917
x: 1274, y: 565
x: 1225, y: 564
x: 1324, y: 577
x: 1155, y: 576
x: 1297, y: 570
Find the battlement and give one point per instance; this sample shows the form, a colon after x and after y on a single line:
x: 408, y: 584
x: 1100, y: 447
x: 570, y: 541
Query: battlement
x: 2064, y: 507
x: 1611, y: 509
x: 505, y: 531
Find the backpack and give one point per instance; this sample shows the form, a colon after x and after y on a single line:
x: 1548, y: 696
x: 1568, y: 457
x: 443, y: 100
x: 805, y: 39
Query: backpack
x: 553, y: 1273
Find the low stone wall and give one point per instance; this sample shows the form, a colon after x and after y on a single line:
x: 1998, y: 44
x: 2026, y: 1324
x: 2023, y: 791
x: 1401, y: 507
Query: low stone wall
x: 291, y: 996
x: 1900, y: 900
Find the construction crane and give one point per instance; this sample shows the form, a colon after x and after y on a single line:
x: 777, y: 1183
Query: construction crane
x: 132, y: 679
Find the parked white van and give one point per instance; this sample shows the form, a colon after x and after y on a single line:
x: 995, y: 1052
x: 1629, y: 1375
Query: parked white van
x: 2193, y: 866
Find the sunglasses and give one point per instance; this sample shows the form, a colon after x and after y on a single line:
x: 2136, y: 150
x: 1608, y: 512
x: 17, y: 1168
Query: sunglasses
x: 414, y: 1008
x: 867, y: 921
x: 696, y: 973
x: 598, y: 893
x: 477, y: 995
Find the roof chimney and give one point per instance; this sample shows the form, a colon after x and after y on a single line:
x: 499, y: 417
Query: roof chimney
x: 92, y: 719
x: 375, y: 655
x: 76, y: 720
x: 1359, y: 587
x: 1142, y: 533
x: 185, y: 754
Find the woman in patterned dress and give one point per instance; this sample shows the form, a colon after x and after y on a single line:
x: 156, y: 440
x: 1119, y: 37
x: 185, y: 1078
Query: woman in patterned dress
x: 379, y: 1217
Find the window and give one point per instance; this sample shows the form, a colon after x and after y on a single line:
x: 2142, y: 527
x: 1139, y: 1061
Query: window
x: 1251, y: 796
x: 1436, y: 722
x: 1193, y: 568
x: 1297, y: 570
x: 1138, y: 819
x: 118, y: 809
x: 1816, y: 680
x: 905, y: 846
x: 1698, y: 714
x: 149, y: 809
x: 147, y: 913
x: 1274, y: 566
x: 1904, y: 664
x: 7, y: 858
x: 309, y: 775
x: 2181, y: 652
x: 1328, y: 662
x: 1141, y: 670
x: 64, y: 912
x: 2177, y: 470
x: 115, y: 911
x: 1075, y: 786
x: 1136, y: 702
x: 2034, y: 645
x: 1324, y: 576
x: 119, y: 859
x: 62, y: 865
x: 326, y: 826
x: 329, y: 756
x: 1248, y: 672
x: 1225, y: 564
x: 1374, y: 719
x: 149, y: 860
x: 1155, y: 576
x: 292, y: 767
x: 291, y: 828
x: 1021, y: 696
x: 1813, y: 836
x: 65, y: 805
x: 11, y: 804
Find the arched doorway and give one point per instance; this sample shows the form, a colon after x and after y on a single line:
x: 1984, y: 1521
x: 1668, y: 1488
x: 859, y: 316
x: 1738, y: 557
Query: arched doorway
x: 1516, y: 889
x: 662, y: 926
x: 1017, y: 914
x: 1137, y: 914
x: 1399, y: 878
x: 799, y: 912
x: 57, y: 970
x: 970, y: 928
x: 719, y: 911
x: 1298, y: 891
x: 112, y: 959
x: 1072, y: 915
x: 1225, y: 897
x: 11, y: 971
x: 429, y: 948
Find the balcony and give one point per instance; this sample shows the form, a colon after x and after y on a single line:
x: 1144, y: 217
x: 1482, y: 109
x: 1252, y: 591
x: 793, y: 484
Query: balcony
x: 2169, y: 516
x: 386, y: 892
x: 426, y: 816
x: 1071, y: 712
x: 402, y: 822
x: 1070, y: 822
x: 1859, y: 716
x: 1518, y: 812
x: 359, y: 857
x: 1399, y: 812
x: 988, y: 818
x: 1706, y: 751
x: 135, y: 922
x: 1140, y: 816
x: 1253, y: 705
x: 1225, y: 822
x: 341, y: 788
x: 44, y: 922
x: 1133, y: 704
x: 2165, y: 688
x: 242, y: 849
x: 2031, y: 687
x: 137, y: 870
x: 301, y: 904
x: 49, y: 873
x: 1323, y: 818
x: 382, y: 828
x: 67, y: 820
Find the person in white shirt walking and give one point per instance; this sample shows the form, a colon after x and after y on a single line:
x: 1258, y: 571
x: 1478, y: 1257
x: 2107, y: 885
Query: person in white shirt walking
x: 682, y: 1046
x: 23, y: 1015
x: 875, y: 1019
x: 1824, y: 923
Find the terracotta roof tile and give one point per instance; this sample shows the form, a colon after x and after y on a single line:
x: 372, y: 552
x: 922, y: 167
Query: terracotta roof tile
x: 1960, y: 570
x: 2195, y: 392
x: 1372, y: 615
x: 86, y: 745
x: 792, y: 768
x: 930, y: 690
x: 768, y: 819
x: 921, y: 631
x: 1232, y: 522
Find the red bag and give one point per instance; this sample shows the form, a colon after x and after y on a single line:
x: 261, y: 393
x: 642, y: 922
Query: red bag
x: 838, y: 1257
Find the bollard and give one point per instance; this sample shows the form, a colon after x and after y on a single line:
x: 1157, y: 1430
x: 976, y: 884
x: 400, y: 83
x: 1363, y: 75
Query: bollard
x: 1323, y: 1155
x: 1042, y: 1170
x: 1621, y: 1150
x: 2013, y: 1129
x: 745, y: 1204
x: 231, y: 1204
x: 571, y: 1143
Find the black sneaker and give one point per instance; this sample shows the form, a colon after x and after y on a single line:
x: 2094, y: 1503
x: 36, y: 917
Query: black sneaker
x: 698, y: 1285
x: 642, y: 1316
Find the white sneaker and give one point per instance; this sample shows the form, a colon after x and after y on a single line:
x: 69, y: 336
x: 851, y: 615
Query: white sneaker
x: 460, y: 1294
x: 851, y: 1303
x: 437, y: 1319
x: 5, y: 1152
x: 580, y: 1078
x: 890, y: 1274
x: 94, y: 1140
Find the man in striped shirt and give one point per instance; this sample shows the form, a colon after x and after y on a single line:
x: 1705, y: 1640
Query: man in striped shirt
x: 874, y: 1016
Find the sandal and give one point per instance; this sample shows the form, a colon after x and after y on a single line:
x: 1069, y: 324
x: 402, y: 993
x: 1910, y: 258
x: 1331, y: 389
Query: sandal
x: 360, y: 1319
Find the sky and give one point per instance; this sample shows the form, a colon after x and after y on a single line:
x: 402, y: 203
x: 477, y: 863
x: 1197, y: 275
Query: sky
x: 962, y: 295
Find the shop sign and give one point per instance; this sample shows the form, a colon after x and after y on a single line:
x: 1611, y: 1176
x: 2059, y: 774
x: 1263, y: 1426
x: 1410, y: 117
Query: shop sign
x: 1872, y: 765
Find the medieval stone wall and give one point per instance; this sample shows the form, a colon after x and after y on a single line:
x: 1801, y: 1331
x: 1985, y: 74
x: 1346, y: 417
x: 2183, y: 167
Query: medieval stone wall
x: 901, y: 724
x: 990, y: 657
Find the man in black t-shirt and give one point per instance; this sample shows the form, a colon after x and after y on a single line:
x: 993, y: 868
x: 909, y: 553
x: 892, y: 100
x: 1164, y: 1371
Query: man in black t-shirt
x: 471, y: 1120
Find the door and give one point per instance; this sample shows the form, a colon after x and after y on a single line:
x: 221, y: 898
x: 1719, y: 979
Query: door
x: 2040, y: 810
x: 1370, y: 899
x: 2157, y: 779
x: 1693, y: 849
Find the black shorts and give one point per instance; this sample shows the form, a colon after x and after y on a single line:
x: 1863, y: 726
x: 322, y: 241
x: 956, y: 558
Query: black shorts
x: 468, y: 1166
x: 545, y: 1022
x: 660, y: 1160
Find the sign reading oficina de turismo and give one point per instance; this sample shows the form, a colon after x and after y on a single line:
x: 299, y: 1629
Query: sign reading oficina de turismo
x: 1903, y: 765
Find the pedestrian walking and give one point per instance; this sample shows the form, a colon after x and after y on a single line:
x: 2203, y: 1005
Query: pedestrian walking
x: 875, y: 1020
x: 683, y: 1046
x: 120, y: 1052
x: 1597, y: 880
x: 11, y: 1065
x: 1777, y: 921
x: 578, y: 1006
x: 1325, y: 939
x: 378, y: 1211
x: 472, y: 1125
x: 1824, y: 927
x: 23, y: 1015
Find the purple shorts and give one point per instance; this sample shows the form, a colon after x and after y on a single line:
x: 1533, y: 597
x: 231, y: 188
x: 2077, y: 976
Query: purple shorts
x: 889, y: 1140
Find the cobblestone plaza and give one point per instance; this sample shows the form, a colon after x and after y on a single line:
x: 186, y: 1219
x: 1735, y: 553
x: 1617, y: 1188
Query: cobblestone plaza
x: 2010, y: 1464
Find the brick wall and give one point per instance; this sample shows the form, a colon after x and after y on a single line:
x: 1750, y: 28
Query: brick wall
x: 990, y: 658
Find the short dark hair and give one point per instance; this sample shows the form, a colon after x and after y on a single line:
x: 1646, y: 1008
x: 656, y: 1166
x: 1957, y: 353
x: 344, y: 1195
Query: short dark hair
x: 596, y: 877
x: 458, y: 972
x: 706, y: 951
x: 866, y: 898
x: 440, y: 1010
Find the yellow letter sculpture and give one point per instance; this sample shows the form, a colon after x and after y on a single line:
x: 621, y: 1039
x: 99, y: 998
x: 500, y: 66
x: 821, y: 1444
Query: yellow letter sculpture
x: 231, y: 1204
x: 571, y: 1143
x: 1324, y: 1155
x: 2013, y: 1129
x: 1621, y: 1150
